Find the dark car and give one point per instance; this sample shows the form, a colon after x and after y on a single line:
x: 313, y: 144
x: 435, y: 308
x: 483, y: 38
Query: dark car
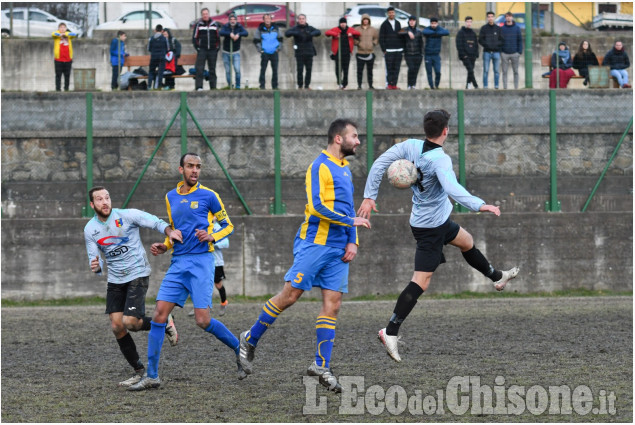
x: 519, y: 18
x: 250, y: 15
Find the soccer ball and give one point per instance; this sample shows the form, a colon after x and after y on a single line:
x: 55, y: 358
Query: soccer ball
x: 402, y: 174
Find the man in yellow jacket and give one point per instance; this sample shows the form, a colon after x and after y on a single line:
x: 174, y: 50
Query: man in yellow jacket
x: 63, y: 53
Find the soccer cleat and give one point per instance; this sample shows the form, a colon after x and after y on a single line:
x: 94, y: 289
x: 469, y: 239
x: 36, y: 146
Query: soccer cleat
x: 507, y: 276
x: 221, y: 310
x: 131, y: 381
x: 241, y: 372
x: 145, y: 383
x: 390, y: 342
x: 246, y: 354
x: 170, y: 331
x: 325, y: 376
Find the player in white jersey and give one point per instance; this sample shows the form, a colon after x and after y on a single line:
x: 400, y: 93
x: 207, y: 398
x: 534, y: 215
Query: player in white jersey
x: 430, y: 217
x: 115, y: 234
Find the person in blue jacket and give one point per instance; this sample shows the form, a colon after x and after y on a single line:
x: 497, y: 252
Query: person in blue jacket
x: 433, y: 36
x: 117, y: 57
x: 267, y: 40
x: 233, y: 33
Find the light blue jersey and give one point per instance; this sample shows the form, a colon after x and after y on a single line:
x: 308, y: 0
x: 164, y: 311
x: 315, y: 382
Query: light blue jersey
x: 430, y: 206
x: 218, y: 246
x: 119, y: 242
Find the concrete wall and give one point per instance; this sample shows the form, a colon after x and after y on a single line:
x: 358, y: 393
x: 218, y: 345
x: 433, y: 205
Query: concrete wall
x: 27, y: 65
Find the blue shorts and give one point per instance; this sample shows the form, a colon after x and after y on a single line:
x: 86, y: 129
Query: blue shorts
x: 189, y: 274
x: 317, y: 265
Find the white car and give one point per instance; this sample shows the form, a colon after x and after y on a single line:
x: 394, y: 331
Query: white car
x: 40, y: 23
x: 138, y: 20
x: 378, y: 15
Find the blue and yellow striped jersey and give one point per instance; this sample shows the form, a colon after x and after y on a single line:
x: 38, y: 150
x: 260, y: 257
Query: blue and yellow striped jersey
x: 330, y: 210
x: 196, y: 210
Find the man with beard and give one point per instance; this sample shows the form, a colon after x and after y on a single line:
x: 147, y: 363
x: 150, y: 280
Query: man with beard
x: 116, y: 234
x: 324, y: 246
x: 192, y: 208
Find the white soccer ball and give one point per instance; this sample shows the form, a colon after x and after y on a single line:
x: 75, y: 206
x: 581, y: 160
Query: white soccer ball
x: 402, y: 174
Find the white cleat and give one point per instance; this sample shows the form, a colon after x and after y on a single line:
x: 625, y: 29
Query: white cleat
x: 131, y: 381
x: 507, y: 276
x: 390, y: 342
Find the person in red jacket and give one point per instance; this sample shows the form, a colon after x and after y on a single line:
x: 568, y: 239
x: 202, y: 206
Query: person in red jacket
x: 342, y: 49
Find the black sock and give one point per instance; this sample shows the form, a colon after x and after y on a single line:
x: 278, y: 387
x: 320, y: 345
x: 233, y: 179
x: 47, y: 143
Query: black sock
x: 405, y: 303
x: 476, y: 259
x: 223, y: 295
x: 129, y: 351
x: 146, y: 323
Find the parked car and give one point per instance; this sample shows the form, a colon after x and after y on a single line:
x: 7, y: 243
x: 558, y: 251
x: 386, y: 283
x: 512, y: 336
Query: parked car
x: 519, y: 18
x: 378, y: 15
x: 250, y: 15
x: 139, y: 19
x: 40, y: 23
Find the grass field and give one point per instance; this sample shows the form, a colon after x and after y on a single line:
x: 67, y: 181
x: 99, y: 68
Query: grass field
x: 62, y: 364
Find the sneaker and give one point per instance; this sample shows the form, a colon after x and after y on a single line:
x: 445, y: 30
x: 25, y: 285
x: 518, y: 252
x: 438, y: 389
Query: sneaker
x: 325, y: 376
x: 199, y: 89
x: 390, y: 342
x: 145, y: 383
x: 221, y: 310
x: 241, y: 372
x: 507, y: 276
x: 191, y: 313
x: 627, y: 86
x: 131, y: 381
x: 170, y: 331
x: 246, y: 355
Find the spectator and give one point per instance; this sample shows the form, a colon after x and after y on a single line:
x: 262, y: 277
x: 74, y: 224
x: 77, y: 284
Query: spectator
x: 467, y: 47
x: 512, y: 48
x: 617, y: 60
x: 267, y: 40
x: 413, y: 50
x: 304, y: 49
x: 368, y: 39
x: 491, y: 39
x: 206, y: 42
x: 433, y: 36
x: 117, y: 57
x: 171, y: 58
x: 63, y: 53
x: 342, y: 47
x: 392, y: 45
x: 561, y: 63
x: 233, y: 32
x: 583, y: 59
x: 158, y: 48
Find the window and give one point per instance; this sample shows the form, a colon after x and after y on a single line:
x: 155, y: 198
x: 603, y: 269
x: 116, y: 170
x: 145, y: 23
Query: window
x: 156, y: 15
x: 138, y: 15
x: 373, y: 11
x: 261, y: 8
x: 608, y: 8
x: 37, y: 16
x: 239, y: 11
x: 401, y: 15
x: 16, y: 15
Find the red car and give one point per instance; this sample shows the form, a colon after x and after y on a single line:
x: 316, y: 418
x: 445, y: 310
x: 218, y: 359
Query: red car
x: 250, y: 15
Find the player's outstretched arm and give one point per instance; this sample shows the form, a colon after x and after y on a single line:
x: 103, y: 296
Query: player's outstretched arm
x: 367, y: 206
x: 490, y: 208
x: 158, y: 248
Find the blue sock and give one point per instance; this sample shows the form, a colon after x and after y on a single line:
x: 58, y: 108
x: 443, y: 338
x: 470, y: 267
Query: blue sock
x: 268, y: 315
x: 325, y: 331
x: 155, y: 341
x: 221, y: 332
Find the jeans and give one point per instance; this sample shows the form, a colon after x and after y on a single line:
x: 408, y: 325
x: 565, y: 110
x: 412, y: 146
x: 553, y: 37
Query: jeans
x: 264, y: 59
x: 114, y: 83
x: 469, y: 62
x: 236, y: 62
x: 369, y: 70
x: 304, y: 63
x: 621, y: 75
x: 155, y: 76
x: 496, y: 59
x: 514, y: 59
x: 433, y: 62
x: 62, y: 68
x: 210, y: 55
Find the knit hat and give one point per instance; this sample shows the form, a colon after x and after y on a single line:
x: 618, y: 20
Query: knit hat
x: 343, y: 20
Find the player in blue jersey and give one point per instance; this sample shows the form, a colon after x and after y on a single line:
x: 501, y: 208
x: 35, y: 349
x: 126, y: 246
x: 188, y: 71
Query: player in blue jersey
x: 324, y: 246
x: 115, y: 233
x: 192, y: 208
x: 430, y: 217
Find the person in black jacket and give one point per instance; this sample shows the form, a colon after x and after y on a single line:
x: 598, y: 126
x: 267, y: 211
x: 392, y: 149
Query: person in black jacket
x: 304, y: 49
x: 491, y: 38
x: 467, y: 47
x: 413, y: 51
x: 617, y: 60
x: 233, y: 33
x: 392, y: 45
x: 158, y: 47
x: 583, y: 59
x: 206, y: 42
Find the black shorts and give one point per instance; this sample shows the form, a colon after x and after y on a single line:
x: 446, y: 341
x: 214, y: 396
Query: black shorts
x: 219, y: 274
x: 129, y: 298
x: 430, y: 243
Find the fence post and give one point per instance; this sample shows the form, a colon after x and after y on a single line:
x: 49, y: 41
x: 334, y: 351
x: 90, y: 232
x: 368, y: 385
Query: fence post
x: 529, y: 71
x: 277, y: 208
x: 86, y: 210
x: 183, y: 111
x: 460, y: 117
x: 370, y: 142
x: 553, y: 205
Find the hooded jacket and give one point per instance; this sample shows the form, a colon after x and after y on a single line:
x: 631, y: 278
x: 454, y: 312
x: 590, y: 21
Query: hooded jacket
x: 267, y: 40
x: 117, y: 52
x: 368, y: 38
x: 226, y: 30
x: 158, y: 46
x: 491, y: 38
x: 390, y: 39
x: 433, y: 39
x: 205, y: 34
x: 414, y: 47
x: 174, y: 45
x: 467, y: 43
x: 336, y: 32
x: 512, y: 39
x: 303, y: 39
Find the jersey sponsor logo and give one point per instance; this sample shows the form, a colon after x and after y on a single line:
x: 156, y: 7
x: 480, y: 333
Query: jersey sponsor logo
x: 194, y: 205
x: 118, y: 251
x: 184, y: 201
x: 119, y: 222
x: 116, y: 240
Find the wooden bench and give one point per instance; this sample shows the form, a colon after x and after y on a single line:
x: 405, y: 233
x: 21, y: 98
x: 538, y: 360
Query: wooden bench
x: 546, y: 62
x: 137, y: 61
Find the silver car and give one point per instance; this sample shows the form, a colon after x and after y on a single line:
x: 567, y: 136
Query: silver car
x: 39, y: 24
